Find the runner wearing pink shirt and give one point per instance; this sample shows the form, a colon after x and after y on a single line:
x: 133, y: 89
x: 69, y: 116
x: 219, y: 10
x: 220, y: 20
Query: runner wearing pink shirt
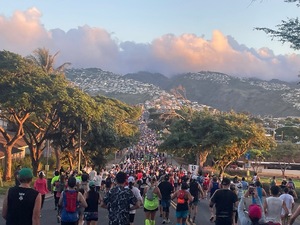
x: 41, y: 186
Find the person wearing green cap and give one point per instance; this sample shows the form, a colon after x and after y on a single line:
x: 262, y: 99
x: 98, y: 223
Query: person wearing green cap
x: 22, y: 204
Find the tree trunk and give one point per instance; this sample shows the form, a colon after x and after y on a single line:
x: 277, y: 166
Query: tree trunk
x: 202, y: 157
x: 57, y: 156
x: 70, y: 159
x: 221, y: 171
x: 7, y: 163
x: 35, y: 166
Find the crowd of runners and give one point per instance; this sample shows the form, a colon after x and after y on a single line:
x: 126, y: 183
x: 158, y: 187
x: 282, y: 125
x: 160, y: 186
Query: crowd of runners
x: 154, y: 182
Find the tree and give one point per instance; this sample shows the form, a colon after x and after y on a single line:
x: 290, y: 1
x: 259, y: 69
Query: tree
x: 237, y: 133
x: 285, y: 154
x: 42, y: 58
x: 17, y: 90
x: 291, y: 133
x: 225, y: 136
x: 76, y: 110
x: 287, y: 31
x: 256, y: 157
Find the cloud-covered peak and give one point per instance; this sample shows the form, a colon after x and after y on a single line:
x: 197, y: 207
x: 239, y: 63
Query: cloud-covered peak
x: 169, y: 54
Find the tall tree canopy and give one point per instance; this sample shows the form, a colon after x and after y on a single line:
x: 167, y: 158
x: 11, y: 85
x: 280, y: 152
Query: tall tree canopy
x: 225, y: 137
x: 23, y: 89
x: 287, y: 31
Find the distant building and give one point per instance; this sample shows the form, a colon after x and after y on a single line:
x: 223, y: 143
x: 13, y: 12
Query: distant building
x: 18, y: 151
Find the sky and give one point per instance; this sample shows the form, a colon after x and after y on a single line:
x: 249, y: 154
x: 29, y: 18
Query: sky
x: 160, y: 36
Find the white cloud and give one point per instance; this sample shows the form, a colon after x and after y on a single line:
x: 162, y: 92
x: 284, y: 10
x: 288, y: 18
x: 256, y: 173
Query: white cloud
x: 87, y: 46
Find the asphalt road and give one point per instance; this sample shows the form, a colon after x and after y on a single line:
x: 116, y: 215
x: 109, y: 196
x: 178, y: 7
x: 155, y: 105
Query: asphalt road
x: 49, y: 215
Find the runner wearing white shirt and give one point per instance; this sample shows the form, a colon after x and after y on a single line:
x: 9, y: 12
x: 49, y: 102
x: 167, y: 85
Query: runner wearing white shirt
x: 273, y: 206
x: 136, y: 192
x: 97, y: 180
x: 289, y: 202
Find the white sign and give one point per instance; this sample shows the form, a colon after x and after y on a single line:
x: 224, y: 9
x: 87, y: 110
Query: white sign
x: 193, y: 169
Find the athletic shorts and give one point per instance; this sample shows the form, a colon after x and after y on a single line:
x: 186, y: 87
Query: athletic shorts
x: 165, y: 203
x: 131, y: 217
x: 223, y: 221
x: 148, y: 210
x: 182, y: 214
x: 91, y: 216
x: 194, y: 202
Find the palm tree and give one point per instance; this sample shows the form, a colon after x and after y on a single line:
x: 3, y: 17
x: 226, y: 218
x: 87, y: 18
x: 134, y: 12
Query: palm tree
x: 42, y: 58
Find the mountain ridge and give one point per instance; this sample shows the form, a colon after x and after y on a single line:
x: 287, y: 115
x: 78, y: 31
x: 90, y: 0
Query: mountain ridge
x: 215, y: 89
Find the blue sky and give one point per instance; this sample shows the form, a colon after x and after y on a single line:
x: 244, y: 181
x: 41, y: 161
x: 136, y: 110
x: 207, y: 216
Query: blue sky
x: 166, y: 36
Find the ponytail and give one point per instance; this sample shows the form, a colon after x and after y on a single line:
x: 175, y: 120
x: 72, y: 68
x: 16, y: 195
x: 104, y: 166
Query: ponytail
x: 130, y: 185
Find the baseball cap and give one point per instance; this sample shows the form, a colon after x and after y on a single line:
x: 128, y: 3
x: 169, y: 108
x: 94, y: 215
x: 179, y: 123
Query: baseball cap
x: 131, y: 179
x: 92, y: 183
x: 25, y: 173
x: 254, y: 212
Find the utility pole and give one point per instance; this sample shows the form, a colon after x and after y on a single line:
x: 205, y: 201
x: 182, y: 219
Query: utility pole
x: 47, y: 164
x: 79, y: 151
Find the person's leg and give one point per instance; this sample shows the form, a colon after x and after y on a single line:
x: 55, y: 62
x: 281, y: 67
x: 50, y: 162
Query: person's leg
x: 131, y: 218
x: 43, y: 199
x: 163, y: 206
x: 178, y: 217
x: 168, y: 204
x: 55, y: 203
x: 194, y: 211
x: 147, y: 217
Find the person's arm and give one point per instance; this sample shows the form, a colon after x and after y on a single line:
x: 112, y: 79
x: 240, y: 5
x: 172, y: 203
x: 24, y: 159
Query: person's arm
x: 285, y: 208
x: 99, y: 199
x: 82, y: 200
x: 201, y: 191
x: 60, y: 199
x: 145, y: 191
x: 246, y: 195
x: 174, y: 195
x: 242, y: 217
x: 264, y: 193
x: 37, y: 210
x: 293, y: 205
x: 4, y: 206
x: 295, y: 215
x: 103, y: 203
x: 157, y: 191
x: 190, y: 197
x: 137, y: 203
x: 265, y: 206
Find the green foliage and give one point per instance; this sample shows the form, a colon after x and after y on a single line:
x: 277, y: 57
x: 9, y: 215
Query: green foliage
x: 225, y: 136
x: 290, y: 133
x: 285, y: 152
x: 287, y: 31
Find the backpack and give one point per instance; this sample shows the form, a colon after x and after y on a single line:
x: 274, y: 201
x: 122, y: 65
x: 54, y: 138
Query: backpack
x: 149, y: 194
x: 215, y: 186
x: 290, y: 185
x: 205, y: 183
x: 180, y: 198
x: 194, y: 188
x: 70, y: 201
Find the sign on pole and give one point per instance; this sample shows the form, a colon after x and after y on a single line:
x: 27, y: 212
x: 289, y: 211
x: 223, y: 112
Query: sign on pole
x: 193, y: 169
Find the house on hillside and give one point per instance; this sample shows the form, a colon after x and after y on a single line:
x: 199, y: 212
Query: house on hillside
x: 18, y: 151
